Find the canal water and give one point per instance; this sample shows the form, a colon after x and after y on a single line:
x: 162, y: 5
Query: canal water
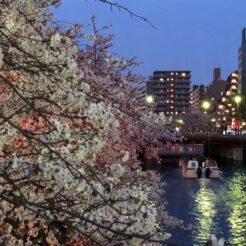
x: 211, y: 206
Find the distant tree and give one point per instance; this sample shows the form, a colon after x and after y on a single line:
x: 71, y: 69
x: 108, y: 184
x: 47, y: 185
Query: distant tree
x: 199, y: 119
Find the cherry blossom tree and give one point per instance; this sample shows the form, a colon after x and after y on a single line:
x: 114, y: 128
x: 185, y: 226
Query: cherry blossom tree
x: 69, y: 135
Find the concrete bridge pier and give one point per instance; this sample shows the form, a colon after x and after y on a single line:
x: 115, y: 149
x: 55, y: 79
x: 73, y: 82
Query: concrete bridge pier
x: 233, y: 153
x: 237, y: 153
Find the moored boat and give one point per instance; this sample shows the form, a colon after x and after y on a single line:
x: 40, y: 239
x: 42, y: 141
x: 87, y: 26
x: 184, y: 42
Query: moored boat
x: 199, y: 168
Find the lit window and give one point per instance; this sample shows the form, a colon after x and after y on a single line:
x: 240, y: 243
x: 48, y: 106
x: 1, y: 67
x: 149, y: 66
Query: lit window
x: 233, y: 87
x: 171, y: 96
x: 233, y: 81
x: 183, y: 74
x: 172, y: 79
x: 176, y: 112
x: 171, y: 106
x: 171, y: 84
x: 228, y: 93
x: 167, y: 79
x: 171, y: 73
x: 171, y: 90
x: 161, y: 79
x: 223, y: 99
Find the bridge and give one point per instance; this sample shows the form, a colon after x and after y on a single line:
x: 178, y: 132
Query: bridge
x: 209, y: 141
x: 216, y: 143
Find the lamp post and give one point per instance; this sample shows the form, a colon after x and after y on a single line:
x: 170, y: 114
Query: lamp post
x: 178, y: 123
x: 206, y: 105
x: 238, y: 100
x: 150, y: 102
x: 149, y: 99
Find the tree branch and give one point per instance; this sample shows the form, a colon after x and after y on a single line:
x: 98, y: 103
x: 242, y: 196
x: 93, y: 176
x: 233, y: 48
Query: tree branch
x: 131, y: 13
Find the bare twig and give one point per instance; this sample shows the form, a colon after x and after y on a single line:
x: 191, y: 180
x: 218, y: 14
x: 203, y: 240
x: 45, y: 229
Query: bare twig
x: 131, y: 13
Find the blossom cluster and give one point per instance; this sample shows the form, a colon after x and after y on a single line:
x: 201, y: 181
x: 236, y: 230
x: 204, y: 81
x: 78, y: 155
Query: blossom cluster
x: 70, y: 137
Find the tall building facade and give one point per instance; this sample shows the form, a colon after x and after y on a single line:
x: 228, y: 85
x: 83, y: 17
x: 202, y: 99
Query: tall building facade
x: 170, y: 90
x: 217, y: 74
x: 242, y: 65
x: 196, y: 96
x: 227, y: 110
x: 140, y: 98
x: 215, y: 89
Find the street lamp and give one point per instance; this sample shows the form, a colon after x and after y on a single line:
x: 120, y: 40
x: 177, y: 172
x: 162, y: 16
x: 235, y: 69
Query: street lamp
x: 149, y: 99
x: 150, y: 102
x: 238, y: 99
x: 206, y: 105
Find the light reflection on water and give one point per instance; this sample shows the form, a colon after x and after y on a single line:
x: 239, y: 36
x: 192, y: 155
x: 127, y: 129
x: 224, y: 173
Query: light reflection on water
x: 204, y: 211
x: 212, y: 206
x: 235, y: 202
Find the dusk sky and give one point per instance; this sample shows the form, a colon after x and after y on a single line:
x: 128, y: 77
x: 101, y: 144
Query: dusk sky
x: 195, y: 35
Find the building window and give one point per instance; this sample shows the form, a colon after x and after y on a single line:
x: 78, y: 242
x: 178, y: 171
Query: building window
x: 161, y: 79
x: 183, y: 74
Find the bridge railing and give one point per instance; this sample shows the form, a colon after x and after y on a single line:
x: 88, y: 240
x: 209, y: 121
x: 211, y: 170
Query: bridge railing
x: 201, y: 130
x: 183, y: 149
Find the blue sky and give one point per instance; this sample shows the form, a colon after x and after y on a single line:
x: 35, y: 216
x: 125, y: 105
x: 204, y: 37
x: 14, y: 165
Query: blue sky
x: 195, y: 35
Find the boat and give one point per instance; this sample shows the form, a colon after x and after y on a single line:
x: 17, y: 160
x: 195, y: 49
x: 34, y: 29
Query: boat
x: 199, y: 168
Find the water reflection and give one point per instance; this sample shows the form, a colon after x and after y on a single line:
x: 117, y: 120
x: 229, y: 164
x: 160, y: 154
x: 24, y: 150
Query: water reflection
x: 204, y: 212
x: 235, y: 201
x: 212, y: 206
